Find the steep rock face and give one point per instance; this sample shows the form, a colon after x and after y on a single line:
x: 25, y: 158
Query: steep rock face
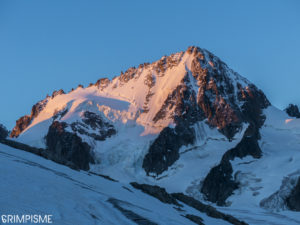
x: 209, y: 90
x: 68, y: 147
x: 24, y: 122
x: 293, y: 200
x: 286, y: 197
x: 216, y: 92
x: 165, y: 149
x: 219, y: 184
x: 3, y: 132
x: 21, y: 124
x: 183, y: 101
x: 223, y: 97
x: 91, y: 121
x: 293, y: 111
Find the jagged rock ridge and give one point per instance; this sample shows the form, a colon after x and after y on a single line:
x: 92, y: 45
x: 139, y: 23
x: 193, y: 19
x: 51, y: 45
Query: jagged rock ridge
x: 224, y: 105
x: 67, y: 147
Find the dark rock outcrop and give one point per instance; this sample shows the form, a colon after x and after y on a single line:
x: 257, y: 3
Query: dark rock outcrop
x: 24, y: 147
x: 59, y: 114
x: 165, y: 149
x: 59, y: 92
x: 24, y: 122
x: 102, y: 83
x: 103, y: 176
x: 54, y: 156
x: 21, y: 124
x: 160, y: 193
x: 293, y: 111
x: 224, y: 105
x: 136, y: 218
x: 76, y: 154
x: 92, y: 121
x: 196, y: 219
x: 286, y: 197
x: 207, y: 209
x: 183, y: 101
x: 219, y: 184
x: 67, y: 148
x: 219, y: 98
x: 166, y: 62
x: 128, y: 75
x: 38, y: 151
x: 3, y: 132
x: 293, y: 200
x: 165, y: 197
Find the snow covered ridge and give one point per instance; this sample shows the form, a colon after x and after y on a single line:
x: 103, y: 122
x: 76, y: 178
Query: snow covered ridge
x: 186, y: 122
x: 145, y: 94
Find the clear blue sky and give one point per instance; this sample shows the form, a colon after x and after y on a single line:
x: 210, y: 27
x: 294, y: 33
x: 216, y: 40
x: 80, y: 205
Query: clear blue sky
x: 46, y: 45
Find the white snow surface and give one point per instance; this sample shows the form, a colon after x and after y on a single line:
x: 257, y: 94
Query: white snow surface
x: 261, y: 178
x: 121, y: 156
x: 34, y: 185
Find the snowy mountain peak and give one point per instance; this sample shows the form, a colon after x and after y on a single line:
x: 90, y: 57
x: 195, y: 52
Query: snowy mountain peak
x: 187, y: 123
x: 162, y: 105
x: 155, y: 94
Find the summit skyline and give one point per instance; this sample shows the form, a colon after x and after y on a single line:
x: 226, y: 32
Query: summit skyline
x: 47, y: 46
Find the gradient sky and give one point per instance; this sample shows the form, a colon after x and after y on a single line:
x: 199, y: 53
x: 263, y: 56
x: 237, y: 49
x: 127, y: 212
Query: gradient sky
x: 52, y: 44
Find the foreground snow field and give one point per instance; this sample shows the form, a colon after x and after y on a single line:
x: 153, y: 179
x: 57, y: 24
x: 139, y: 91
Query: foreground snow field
x: 33, y: 185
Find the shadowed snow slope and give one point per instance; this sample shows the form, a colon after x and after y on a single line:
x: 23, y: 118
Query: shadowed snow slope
x: 34, y: 185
